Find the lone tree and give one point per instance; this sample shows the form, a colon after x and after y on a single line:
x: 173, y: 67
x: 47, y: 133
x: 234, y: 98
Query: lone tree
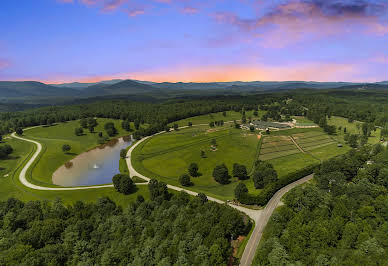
x: 221, y: 174
x: 5, y: 151
x: 240, y: 190
x: 185, y: 180
x: 193, y: 169
x: 176, y: 127
x: 240, y: 171
x: 123, y: 184
x: 78, y: 131
x: 252, y: 128
x: 66, y: 148
x: 123, y: 153
x: 211, y: 124
x: 19, y: 131
x: 264, y: 174
x: 203, y: 154
x: 190, y: 124
x: 224, y: 113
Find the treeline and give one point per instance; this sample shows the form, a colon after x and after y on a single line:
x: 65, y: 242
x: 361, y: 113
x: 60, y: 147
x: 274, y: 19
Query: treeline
x: 265, y: 177
x: 370, y: 106
x: 342, y: 219
x: 167, y: 230
x: 158, y: 115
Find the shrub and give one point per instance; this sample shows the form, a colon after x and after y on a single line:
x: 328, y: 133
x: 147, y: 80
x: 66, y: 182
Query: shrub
x: 19, y: 131
x: 123, y: 153
x: 193, y: 169
x: 202, y: 197
x: 66, y: 148
x: 78, y: 131
x: 185, y: 181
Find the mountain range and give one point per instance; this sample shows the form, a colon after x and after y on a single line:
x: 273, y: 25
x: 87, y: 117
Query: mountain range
x: 30, y: 90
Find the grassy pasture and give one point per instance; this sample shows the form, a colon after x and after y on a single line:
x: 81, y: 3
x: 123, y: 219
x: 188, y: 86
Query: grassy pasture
x: 206, y: 119
x: 351, y: 128
x: 277, y: 146
x: 162, y: 158
x: 328, y: 151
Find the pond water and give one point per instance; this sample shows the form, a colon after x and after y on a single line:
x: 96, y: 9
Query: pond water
x: 94, y: 167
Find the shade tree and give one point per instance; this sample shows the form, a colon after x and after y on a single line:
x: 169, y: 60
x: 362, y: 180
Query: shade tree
x: 221, y: 174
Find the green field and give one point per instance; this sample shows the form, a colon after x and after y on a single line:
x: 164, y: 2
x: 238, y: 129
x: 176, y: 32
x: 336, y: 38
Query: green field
x: 52, y: 138
x: 276, y: 147
x: 352, y: 129
x: 303, y: 121
x: 168, y: 155
x: 206, y: 119
x: 279, y: 150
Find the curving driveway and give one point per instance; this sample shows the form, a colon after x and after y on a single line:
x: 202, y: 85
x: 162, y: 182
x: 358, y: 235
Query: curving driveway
x: 22, y: 175
x: 261, y: 217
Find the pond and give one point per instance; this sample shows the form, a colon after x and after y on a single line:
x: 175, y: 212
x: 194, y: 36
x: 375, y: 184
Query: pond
x: 94, y: 167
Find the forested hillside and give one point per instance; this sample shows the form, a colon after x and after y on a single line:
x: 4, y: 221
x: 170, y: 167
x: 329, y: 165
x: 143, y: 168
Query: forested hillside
x: 168, y: 230
x: 340, y: 220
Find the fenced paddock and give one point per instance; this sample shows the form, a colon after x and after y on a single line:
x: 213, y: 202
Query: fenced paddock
x: 276, y: 147
x: 312, y: 140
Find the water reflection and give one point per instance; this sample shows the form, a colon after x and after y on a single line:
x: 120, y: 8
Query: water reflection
x: 94, y: 167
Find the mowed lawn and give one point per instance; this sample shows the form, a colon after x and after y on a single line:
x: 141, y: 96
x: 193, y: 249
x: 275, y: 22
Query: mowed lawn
x: 167, y: 156
x: 54, y: 137
x: 352, y: 129
x: 206, y: 119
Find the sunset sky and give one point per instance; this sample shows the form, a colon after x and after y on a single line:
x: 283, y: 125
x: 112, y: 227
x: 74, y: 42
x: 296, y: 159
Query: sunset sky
x: 186, y: 40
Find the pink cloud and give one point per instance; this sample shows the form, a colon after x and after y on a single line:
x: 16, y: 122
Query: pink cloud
x: 189, y: 10
x: 299, y: 20
x: 136, y: 12
x: 113, y: 4
x: 4, y: 63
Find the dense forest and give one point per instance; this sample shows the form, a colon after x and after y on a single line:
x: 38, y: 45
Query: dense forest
x: 368, y: 107
x: 167, y: 230
x: 341, y: 219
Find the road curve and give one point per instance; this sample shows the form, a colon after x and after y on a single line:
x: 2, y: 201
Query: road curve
x: 22, y: 175
x: 261, y: 217
x: 250, y: 249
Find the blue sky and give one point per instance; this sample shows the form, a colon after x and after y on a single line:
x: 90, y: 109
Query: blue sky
x: 185, y: 40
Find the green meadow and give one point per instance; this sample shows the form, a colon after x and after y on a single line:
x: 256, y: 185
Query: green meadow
x: 206, y: 119
x: 167, y: 156
x: 351, y: 128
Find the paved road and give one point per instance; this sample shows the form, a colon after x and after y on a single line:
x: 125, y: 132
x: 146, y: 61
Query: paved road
x: 250, y: 249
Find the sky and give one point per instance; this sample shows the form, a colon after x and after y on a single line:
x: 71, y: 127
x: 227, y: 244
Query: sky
x: 57, y: 41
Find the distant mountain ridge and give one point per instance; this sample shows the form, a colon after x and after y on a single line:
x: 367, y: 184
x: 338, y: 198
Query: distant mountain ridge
x: 14, y: 90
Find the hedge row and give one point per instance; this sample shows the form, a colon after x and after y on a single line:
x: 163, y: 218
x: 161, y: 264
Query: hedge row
x: 267, y: 193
